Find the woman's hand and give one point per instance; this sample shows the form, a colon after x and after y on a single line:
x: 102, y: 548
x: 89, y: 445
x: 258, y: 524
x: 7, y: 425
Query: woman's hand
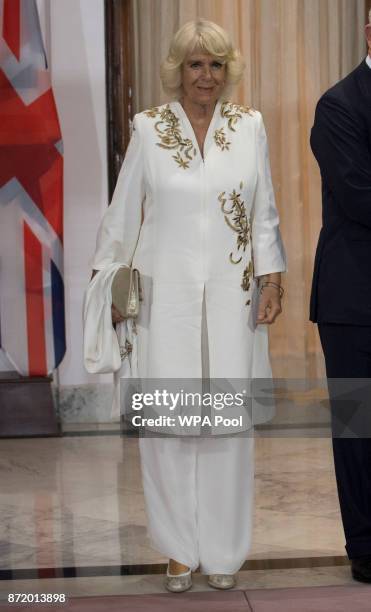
x: 116, y: 317
x: 269, y: 299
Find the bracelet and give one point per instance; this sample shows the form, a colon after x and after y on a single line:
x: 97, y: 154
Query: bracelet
x: 272, y: 284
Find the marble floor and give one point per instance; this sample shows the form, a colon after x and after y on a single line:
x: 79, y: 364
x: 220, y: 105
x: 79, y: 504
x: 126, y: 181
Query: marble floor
x: 153, y: 583
x: 71, y: 508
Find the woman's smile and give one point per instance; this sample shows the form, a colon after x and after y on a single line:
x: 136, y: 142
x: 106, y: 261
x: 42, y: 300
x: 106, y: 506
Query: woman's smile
x: 203, y: 78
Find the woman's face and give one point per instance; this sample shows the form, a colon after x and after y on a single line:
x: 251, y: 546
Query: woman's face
x: 203, y: 78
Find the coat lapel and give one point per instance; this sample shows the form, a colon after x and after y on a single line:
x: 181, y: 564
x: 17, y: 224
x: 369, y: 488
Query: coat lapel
x: 363, y: 73
x: 363, y: 77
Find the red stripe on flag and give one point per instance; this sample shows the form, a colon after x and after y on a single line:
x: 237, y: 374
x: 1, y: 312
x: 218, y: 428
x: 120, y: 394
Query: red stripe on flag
x: 34, y: 303
x: 12, y: 25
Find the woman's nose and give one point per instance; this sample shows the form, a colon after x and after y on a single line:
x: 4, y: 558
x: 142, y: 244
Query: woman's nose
x: 206, y: 73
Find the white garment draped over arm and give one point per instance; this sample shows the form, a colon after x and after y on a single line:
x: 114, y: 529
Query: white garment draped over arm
x: 268, y: 251
x: 106, y: 349
x: 101, y: 343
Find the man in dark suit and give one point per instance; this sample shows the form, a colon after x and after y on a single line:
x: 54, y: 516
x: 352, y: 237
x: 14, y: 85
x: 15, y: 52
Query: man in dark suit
x: 341, y: 294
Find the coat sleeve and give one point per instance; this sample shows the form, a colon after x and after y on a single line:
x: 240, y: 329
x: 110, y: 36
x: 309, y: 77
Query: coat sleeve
x: 339, y: 143
x: 119, y: 229
x: 268, y: 250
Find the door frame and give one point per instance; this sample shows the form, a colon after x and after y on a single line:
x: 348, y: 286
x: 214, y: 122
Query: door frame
x: 119, y: 83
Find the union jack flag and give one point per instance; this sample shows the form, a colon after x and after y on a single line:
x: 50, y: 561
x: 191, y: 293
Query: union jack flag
x: 31, y: 197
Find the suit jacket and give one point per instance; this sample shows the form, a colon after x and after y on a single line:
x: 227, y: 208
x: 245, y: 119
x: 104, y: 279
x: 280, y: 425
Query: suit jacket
x: 341, y: 143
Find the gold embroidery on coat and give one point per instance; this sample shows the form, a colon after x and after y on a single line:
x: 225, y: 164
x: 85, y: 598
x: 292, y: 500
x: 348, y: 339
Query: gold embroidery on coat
x: 126, y: 350
x: 152, y: 112
x: 236, y: 218
x: 221, y: 139
x: 233, y: 112
x: 247, y: 276
x: 170, y: 135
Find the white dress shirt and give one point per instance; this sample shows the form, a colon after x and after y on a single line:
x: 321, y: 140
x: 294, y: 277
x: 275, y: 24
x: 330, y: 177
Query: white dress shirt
x: 368, y: 61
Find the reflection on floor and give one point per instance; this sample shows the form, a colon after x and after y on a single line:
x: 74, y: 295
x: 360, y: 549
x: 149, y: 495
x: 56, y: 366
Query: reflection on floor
x: 77, y: 502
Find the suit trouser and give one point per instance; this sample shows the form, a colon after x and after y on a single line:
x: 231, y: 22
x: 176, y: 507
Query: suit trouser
x: 199, y: 499
x: 347, y: 351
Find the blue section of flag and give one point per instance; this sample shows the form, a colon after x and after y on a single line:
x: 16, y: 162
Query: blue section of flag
x: 59, y: 331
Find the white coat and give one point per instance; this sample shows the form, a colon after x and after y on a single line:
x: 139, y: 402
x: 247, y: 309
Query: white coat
x: 198, y: 229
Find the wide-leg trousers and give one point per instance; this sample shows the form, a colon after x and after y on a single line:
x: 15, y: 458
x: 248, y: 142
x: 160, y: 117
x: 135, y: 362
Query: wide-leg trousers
x: 199, y: 493
x: 199, y: 499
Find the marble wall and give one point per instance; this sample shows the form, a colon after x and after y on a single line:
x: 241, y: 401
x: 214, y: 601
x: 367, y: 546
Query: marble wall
x: 90, y: 403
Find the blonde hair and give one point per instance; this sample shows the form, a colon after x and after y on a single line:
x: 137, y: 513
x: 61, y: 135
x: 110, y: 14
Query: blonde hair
x: 369, y: 16
x: 207, y: 37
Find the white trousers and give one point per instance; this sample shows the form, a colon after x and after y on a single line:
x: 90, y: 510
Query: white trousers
x: 199, y: 499
x: 199, y: 494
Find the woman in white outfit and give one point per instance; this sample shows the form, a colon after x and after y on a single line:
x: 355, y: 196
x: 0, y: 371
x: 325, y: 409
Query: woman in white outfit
x: 194, y: 211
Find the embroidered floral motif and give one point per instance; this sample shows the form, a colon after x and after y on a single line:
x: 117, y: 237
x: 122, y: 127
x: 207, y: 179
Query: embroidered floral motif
x: 247, y: 276
x: 236, y: 218
x: 152, y: 112
x: 221, y: 139
x: 182, y: 163
x: 170, y: 136
x: 233, y: 112
x: 126, y: 350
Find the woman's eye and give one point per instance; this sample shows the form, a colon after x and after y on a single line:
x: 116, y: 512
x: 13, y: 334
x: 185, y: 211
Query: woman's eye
x: 214, y: 65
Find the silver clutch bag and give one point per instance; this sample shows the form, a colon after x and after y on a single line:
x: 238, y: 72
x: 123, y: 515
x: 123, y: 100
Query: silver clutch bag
x: 126, y: 292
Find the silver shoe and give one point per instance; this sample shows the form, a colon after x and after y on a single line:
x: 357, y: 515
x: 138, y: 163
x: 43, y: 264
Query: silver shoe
x: 176, y: 583
x: 222, y: 581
